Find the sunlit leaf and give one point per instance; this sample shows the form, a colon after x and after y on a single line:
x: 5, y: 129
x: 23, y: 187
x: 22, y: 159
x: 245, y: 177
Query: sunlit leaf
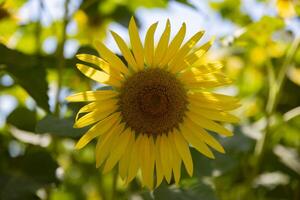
x: 260, y: 32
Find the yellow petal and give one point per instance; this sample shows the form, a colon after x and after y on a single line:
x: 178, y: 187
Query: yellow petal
x: 102, y: 64
x: 147, y: 162
x: 166, y: 157
x: 205, y: 81
x: 158, y: 163
x: 151, y: 162
x: 207, y: 104
x: 203, y: 135
x: 125, y: 159
x: 214, y: 115
x: 198, y: 144
x: 213, y: 101
x: 178, y: 61
x: 199, y: 70
x: 208, y: 67
x: 136, y: 43
x: 114, y: 61
x: 208, y: 124
x: 119, y: 147
x: 198, y: 53
x: 125, y: 51
x: 213, y: 97
x: 134, y: 161
x: 99, y: 129
x: 205, y: 85
x: 103, y: 106
x: 99, y: 95
x: 104, y: 144
x: 148, y: 156
x: 95, y: 116
x: 174, y: 46
x: 162, y: 46
x: 149, y: 44
x: 183, y: 150
x: 176, y: 160
x: 143, y: 162
x: 98, y: 76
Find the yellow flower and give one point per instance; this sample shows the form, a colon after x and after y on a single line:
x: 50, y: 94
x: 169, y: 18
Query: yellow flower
x: 157, y: 107
x: 286, y: 8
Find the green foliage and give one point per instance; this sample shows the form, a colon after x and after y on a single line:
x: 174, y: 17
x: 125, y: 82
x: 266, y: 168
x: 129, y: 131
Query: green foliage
x: 27, y: 72
x: 231, y: 9
x: 22, y: 118
x: 27, y: 173
x: 43, y: 172
x: 264, y: 28
x: 58, y: 127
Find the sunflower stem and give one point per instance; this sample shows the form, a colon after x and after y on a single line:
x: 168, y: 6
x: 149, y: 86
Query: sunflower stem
x: 275, y: 89
x: 60, y: 55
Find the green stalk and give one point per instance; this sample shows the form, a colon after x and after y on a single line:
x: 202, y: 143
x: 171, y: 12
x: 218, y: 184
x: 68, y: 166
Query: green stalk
x: 273, y: 89
x: 274, y: 96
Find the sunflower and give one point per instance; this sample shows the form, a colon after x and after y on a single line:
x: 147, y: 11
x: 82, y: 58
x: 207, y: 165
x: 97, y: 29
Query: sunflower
x: 159, y: 104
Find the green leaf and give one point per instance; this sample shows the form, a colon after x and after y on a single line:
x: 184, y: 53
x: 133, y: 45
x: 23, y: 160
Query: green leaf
x: 134, y: 4
x: 204, y: 192
x: 146, y: 195
x: 19, y: 187
x: 23, y: 119
x: 237, y: 149
x: 38, y: 164
x: 202, y: 164
x: 186, y: 2
x: 63, y: 194
x: 164, y: 192
x: 259, y: 33
x: 22, y: 176
x: 231, y: 9
x: 28, y: 72
x: 59, y: 127
x: 238, y: 143
x: 200, y: 192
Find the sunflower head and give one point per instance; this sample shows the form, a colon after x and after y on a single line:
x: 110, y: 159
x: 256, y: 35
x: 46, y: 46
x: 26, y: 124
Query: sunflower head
x: 152, y: 102
x: 159, y: 105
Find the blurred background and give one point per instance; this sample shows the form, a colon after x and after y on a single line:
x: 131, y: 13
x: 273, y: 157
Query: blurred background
x: 256, y: 40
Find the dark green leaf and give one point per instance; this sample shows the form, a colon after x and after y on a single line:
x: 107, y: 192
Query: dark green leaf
x: 24, y: 175
x: 38, y: 164
x: 204, y: 192
x: 59, y: 127
x: 28, y: 72
x: 19, y: 187
x: 186, y: 2
x: 23, y: 119
x: 199, y: 192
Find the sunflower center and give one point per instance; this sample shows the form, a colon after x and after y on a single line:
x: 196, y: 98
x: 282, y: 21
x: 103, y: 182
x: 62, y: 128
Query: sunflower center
x: 152, y: 101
